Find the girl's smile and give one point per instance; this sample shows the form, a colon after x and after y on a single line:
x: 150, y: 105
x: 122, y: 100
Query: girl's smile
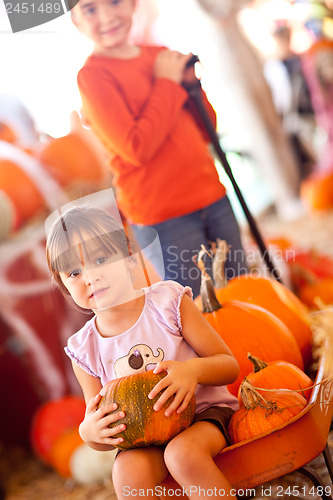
x: 107, y: 23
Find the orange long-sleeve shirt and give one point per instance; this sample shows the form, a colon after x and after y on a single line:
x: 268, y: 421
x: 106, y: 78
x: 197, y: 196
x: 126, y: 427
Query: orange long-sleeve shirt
x: 160, y: 158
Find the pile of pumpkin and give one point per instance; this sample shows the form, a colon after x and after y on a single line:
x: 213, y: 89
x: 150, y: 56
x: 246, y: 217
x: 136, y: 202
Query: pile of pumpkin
x: 259, y: 315
x: 49, y: 173
x: 263, y: 406
x: 56, y: 441
x: 311, y: 272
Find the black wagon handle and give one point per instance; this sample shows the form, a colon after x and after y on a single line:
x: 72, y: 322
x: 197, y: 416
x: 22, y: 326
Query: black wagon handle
x: 196, y: 96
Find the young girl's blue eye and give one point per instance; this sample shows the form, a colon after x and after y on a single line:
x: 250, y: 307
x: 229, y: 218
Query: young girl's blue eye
x: 101, y: 260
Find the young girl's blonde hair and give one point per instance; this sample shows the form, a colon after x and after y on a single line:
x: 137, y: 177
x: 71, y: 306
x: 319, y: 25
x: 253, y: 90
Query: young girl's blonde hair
x: 85, y: 224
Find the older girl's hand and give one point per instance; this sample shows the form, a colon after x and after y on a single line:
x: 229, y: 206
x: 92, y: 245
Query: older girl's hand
x: 171, y: 64
x: 180, y: 382
x: 95, y: 427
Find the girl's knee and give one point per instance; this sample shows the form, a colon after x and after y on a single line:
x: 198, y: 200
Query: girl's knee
x: 181, y: 452
x: 127, y: 469
x: 138, y: 468
x: 122, y: 463
x: 189, y: 450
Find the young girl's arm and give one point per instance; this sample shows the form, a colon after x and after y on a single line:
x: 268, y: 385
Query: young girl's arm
x: 94, y: 430
x: 215, y: 365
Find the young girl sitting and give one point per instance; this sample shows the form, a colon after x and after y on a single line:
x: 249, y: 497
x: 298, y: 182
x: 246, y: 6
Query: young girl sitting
x: 91, y: 259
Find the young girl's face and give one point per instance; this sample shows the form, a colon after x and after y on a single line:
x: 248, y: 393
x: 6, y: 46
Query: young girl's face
x: 106, y: 22
x: 96, y: 278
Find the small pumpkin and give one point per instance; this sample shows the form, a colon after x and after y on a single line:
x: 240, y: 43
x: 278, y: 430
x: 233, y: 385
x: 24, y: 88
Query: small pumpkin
x: 144, y: 425
x: 52, y: 420
x: 89, y: 466
x: 277, y: 375
x: 63, y: 449
x: 258, y: 415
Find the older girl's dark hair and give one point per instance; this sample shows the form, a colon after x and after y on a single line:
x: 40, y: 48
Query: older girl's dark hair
x: 86, y: 224
x: 70, y: 4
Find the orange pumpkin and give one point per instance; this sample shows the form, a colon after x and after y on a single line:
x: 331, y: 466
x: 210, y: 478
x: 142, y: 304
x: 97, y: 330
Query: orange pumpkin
x: 317, y: 191
x: 62, y: 450
x: 24, y: 194
x: 279, y: 300
x: 322, y: 289
x: 277, y: 375
x: 258, y: 415
x: 267, y: 293
x: 70, y: 159
x: 248, y: 328
x: 52, y: 420
x: 144, y: 425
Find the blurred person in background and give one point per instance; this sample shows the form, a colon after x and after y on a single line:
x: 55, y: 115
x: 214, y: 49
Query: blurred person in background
x: 291, y: 97
x: 318, y: 67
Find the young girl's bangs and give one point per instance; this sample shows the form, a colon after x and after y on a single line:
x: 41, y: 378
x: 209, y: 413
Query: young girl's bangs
x: 82, y: 233
x: 75, y: 248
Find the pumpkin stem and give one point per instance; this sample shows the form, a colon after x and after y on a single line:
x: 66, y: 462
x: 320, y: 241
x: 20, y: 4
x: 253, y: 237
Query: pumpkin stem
x: 258, y: 364
x: 209, y: 300
x: 220, y: 252
x: 207, y: 291
x: 250, y: 396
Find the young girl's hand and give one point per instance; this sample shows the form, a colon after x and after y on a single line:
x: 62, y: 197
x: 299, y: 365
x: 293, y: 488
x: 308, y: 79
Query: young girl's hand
x: 180, y: 382
x: 95, y: 427
x: 171, y: 64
